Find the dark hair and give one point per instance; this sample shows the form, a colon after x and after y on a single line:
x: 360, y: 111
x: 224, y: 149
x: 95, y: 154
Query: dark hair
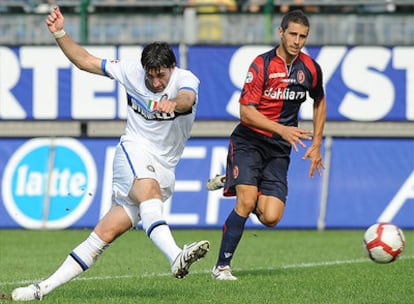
x: 295, y: 16
x: 157, y: 55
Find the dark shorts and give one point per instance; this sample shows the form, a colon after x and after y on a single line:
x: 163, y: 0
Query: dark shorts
x: 255, y: 159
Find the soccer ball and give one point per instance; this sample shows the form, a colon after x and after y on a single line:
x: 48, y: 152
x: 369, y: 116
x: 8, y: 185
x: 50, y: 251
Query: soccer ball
x: 384, y: 242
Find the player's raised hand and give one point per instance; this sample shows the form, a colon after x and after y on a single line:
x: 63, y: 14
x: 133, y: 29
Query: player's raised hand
x: 55, y: 20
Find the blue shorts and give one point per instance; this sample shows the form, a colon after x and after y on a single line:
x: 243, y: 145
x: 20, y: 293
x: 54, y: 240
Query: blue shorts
x: 255, y: 159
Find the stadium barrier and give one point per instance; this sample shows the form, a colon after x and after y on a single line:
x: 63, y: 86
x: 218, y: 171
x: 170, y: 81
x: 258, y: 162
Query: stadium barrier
x: 56, y: 149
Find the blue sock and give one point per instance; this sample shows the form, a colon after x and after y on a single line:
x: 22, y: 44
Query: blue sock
x: 232, y: 232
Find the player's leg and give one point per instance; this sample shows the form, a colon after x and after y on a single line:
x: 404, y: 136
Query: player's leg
x: 113, y: 224
x: 273, y: 188
x: 242, y: 174
x: 269, y: 210
x: 137, y: 188
x: 142, y: 183
x: 233, y: 230
x: 147, y: 193
x: 157, y: 229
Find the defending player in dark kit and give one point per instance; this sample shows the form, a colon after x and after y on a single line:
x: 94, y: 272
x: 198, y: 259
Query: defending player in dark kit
x: 259, y: 149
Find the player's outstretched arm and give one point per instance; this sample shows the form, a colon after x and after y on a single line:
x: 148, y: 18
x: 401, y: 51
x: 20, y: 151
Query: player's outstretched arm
x: 314, y: 151
x: 79, y: 56
x: 181, y: 103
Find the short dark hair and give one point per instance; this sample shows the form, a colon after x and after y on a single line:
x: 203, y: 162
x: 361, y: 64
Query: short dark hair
x: 295, y: 16
x: 157, y: 55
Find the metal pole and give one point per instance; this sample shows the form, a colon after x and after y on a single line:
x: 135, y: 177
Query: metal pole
x: 268, y: 13
x: 84, y: 21
x: 50, y: 165
x: 325, y: 184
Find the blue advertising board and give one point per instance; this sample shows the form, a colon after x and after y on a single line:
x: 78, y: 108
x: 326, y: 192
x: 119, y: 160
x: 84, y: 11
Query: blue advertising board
x: 362, y: 83
x: 57, y: 183
x: 372, y: 180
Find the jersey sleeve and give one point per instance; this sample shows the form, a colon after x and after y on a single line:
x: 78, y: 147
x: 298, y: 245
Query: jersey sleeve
x: 118, y: 69
x: 317, y: 91
x: 188, y: 81
x: 253, y: 84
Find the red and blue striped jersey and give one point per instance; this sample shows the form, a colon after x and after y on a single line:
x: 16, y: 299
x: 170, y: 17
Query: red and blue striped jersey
x: 277, y: 90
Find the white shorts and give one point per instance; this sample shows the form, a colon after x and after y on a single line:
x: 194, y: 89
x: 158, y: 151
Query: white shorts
x: 130, y: 162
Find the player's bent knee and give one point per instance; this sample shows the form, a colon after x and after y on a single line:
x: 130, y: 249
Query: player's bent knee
x: 270, y: 224
x: 106, y: 236
x: 269, y: 221
x: 109, y: 234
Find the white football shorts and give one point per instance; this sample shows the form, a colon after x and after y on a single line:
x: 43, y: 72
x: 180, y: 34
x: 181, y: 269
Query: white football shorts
x: 130, y: 162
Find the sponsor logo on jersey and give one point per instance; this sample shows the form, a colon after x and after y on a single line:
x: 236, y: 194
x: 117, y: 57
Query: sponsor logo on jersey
x: 285, y: 94
x: 300, y: 77
x: 289, y: 81
x: 277, y: 75
x: 148, y: 109
x: 249, y: 77
x: 153, y: 115
x: 49, y: 183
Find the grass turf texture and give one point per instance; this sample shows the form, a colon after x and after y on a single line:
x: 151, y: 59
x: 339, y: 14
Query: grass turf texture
x: 273, y: 266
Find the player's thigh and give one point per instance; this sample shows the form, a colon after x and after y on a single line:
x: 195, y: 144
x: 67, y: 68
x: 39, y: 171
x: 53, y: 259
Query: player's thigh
x: 132, y: 164
x: 274, y: 178
x: 244, y: 164
x: 144, y: 189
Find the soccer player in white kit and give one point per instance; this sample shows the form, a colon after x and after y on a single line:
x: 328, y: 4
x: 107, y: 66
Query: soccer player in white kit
x: 161, y: 111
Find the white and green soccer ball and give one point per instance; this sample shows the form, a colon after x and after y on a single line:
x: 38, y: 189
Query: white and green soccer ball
x: 384, y: 242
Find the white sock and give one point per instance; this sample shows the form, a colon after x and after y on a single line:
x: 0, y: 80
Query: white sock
x: 78, y: 261
x: 157, y: 228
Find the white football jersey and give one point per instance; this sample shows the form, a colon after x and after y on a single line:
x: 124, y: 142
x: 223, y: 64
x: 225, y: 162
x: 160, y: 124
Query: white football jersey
x: 161, y: 134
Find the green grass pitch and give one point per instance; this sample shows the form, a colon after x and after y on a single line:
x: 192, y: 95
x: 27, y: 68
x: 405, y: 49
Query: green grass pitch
x: 272, y: 266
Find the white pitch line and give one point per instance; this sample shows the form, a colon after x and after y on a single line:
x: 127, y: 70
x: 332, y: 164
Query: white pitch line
x: 329, y: 263
x: 152, y: 275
